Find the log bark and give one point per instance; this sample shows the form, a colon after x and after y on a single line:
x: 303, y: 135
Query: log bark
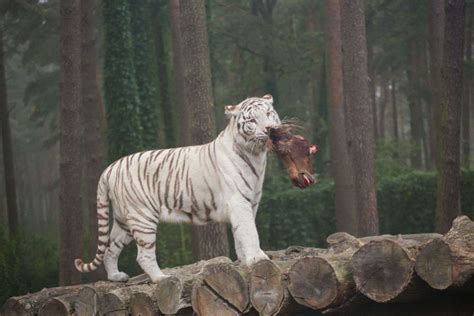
x: 117, y: 302
x: 30, y: 304
x: 91, y: 297
x: 59, y: 306
x: 449, y: 261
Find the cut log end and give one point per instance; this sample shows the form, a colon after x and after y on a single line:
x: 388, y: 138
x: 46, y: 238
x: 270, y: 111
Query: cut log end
x: 266, y: 288
x: 168, y: 295
x: 313, y: 282
x: 382, y: 270
x: 143, y: 305
x: 206, y: 302
x: 434, y: 264
x: 227, y: 281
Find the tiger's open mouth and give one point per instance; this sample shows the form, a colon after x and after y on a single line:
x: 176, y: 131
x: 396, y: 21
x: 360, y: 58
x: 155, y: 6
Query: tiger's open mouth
x: 304, y: 180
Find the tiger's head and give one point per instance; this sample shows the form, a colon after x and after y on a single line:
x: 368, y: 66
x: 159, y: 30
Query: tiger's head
x: 251, y: 120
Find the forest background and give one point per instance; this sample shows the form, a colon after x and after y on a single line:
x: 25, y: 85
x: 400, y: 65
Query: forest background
x: 135, y: 63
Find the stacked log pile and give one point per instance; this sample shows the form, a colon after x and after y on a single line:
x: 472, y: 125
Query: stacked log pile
x: 420, y: 274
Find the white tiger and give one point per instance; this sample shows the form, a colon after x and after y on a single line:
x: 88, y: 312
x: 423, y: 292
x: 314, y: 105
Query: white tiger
x: 220, y: 181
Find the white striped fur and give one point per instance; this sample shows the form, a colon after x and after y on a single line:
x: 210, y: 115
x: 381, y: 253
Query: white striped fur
x: 220, y: 181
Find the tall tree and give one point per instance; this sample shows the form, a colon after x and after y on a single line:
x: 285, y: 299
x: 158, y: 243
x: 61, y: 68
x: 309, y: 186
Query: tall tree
x: 264, y: 8
x: 92, y: 118
x: 144, y: 62
x: 178, y: 80
x: 358, y: 119
x: 70, y: 224
x: 210, y: 240
x: 341, y: 167
x: 394, y: 110
x: 467, y: 95
x: 448, y: 204
x: 124, y: 131
x: 414, y: 103
x: 167, y: 111
x: 8, y: 165
x: 436, y: 39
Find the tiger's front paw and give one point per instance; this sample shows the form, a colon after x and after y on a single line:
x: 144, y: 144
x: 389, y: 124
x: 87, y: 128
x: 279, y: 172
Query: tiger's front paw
x: 253, y: 259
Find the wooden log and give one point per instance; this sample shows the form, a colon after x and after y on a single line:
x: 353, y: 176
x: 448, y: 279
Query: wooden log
x: 322, y: 282
x: 269, y: 294
x: 228, y: 281
x: 206, y: 302
x: 383, y: 270
x: 90, y: 297
x: 173, y: 294
x: 117, y: 302
x: 30, y: 304
x: 448, y: 262
x: 341, y: 241
x: 59, y: 306
x: 144, y: 302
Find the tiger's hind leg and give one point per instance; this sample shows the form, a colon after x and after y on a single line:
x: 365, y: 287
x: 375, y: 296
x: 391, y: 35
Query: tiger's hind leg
x: 145, y: 237
x: 119, y: 237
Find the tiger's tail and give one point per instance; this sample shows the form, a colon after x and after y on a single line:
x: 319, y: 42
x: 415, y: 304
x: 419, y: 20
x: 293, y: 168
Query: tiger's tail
x: 103, y: 229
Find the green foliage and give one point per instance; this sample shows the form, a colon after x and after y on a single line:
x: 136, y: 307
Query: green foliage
x: 406, y: 204
x: 27, y: 264
x: 145, y: 68
x: 120, y: 88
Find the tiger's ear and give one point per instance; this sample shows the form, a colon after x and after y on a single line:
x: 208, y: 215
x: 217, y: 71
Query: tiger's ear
x: 268, y: 97
x: 231, y: 110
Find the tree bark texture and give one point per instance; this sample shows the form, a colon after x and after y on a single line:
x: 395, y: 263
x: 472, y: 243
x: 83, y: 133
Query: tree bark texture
x: 92, y: 119
x: 341, y: 166
x: 8, y: 165
x: 351, y: 275
x: 414, y: 105
x: 358, y: 105
x: 467, y: 95
x: 436, y: 39
x: 448, y: 149
x: 70, y: 224
x: 178, y: 80
x: 210, y: 240
x: 163, y: 80
x: 394, y: 111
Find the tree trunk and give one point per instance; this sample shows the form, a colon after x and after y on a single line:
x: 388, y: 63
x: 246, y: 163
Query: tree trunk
x: 70, y: 224
x: 394, y: 111
x: 163, y: 81
x: 341, y: 167
x: 383, y: 106
x: 91, y: 120
x: 447, y: 194
x: 372, y: 90
x: 8, y: 165
x: 178, y: 80
x: 210, y: 240
x: 414, y: 105
x: 360, y: 129
x: 466, y: 104
x: 436, y: 39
